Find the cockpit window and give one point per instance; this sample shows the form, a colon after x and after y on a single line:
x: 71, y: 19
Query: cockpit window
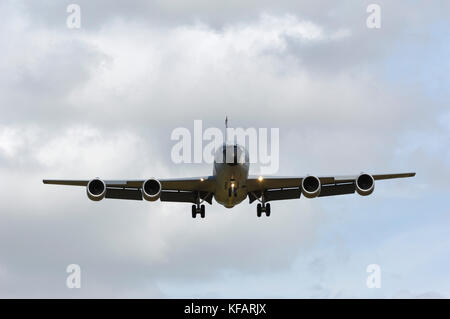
x: 231, y: 158
x: 231, y: 154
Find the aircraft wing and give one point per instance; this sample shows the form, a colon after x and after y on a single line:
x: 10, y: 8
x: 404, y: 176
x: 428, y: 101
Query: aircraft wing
x: 172, y: 189
x: 289, y: 187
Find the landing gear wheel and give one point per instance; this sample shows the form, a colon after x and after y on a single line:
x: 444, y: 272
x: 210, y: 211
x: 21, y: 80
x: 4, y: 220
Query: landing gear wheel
x: 267, y: 210
x: 258, y: 210
x: 194, y: 211
x: 202, y: 211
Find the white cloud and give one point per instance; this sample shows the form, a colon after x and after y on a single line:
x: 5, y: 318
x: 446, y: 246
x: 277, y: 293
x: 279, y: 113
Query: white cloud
x: 102, y: 101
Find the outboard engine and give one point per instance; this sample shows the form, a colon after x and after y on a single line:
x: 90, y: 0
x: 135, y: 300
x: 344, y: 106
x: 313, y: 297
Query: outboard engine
x: 96, y: 189
x: 151, y: 189
x: 365, y: 184
x: 311, y: 186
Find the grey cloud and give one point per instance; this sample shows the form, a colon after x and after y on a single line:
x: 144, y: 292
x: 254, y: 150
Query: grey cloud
x: 102, y: 101
x: 100, y: 13
x: 118, y: 244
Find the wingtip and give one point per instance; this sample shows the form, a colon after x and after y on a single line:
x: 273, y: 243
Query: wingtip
x: 412, y: 174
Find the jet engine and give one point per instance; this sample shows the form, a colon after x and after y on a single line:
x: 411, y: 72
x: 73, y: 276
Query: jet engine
x: 311, y: 186
x: 96, y: 189
x: 151, y: 189
x: 365, y: 184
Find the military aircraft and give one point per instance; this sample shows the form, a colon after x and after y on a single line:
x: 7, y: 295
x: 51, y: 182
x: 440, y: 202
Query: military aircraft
x: 229, y: 185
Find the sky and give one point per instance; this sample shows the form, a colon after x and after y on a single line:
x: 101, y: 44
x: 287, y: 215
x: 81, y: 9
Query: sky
x: 102, y: 100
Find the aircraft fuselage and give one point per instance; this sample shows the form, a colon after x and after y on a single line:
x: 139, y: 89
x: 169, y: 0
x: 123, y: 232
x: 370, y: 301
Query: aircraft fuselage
x: 231, y: 175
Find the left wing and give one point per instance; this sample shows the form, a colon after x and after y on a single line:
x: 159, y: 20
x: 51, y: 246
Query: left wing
x: 279, y: 188
x: 172, y: 190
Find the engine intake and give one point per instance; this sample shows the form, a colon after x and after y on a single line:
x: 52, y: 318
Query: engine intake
x: 365, y: 184
x: 311, y: 186
x: 151, y: 189
x: 96, y: 189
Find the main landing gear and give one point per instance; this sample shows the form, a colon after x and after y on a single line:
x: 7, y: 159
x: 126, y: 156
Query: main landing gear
x: 263, y: 208
x: 198, y: 209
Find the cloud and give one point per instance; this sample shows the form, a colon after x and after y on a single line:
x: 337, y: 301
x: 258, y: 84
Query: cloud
x: 102, y: 101
x: 133, y: 238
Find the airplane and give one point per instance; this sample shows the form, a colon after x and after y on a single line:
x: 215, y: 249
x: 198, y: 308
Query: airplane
x: 229, y: 185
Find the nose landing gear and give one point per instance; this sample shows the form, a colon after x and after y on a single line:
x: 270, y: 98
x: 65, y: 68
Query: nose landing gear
x: 233, y: 190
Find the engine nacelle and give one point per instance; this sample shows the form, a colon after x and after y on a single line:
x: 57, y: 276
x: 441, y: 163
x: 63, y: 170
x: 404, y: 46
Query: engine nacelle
x: 365, y: 184
x: 96, y: 189
x: 311, y: 186
x: 151, y: 189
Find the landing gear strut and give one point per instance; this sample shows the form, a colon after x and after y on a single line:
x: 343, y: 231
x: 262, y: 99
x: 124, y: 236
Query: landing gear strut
x: 263, y: 208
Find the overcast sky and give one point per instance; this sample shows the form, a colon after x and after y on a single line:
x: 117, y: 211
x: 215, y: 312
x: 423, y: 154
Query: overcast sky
x: 103, y: 100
